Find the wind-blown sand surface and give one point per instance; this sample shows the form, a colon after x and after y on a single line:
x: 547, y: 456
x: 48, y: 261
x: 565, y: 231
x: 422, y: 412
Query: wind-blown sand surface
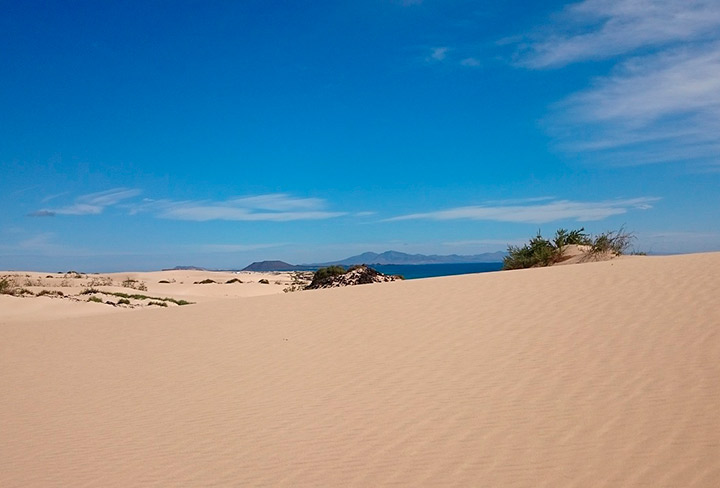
x: 601, y: 374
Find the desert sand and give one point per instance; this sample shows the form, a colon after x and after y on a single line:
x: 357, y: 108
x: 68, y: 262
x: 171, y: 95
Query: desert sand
x: 600, y: 374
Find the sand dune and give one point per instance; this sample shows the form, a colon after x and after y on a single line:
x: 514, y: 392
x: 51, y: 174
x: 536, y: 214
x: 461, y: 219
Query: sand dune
x: 602, y: 374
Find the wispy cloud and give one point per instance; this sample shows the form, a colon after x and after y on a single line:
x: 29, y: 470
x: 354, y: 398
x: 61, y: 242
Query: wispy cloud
x: 601, y: 29
x: 278, y: 207
x: 90, y: 204
x: 660, y: 103
x: 537, y: 213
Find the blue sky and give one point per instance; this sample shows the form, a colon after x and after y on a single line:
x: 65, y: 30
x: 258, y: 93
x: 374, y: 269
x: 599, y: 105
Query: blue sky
x: 143, y: 135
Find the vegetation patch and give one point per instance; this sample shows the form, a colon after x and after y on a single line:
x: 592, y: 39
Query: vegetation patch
x: 134, y: 284
x: 206, y: 281
x: 51, y: 293
x: 234, y: 280
x: 264, y: 281
x: 94, y: 299
x: 540, y: 252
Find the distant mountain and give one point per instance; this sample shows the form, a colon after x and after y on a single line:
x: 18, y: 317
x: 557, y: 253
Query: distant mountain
x: 396, y: 257
x: 265, y: 266
x: 185, y: 268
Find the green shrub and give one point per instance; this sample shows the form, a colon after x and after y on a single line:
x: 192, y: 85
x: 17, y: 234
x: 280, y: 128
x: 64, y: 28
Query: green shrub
x: 334, y: 270
x: 123, y: 301
x: 538, y: 252
x: 159, y: 304
x: 205, y: 282
x: 264, y: 281
x: 234, y: 280
x: 90, y: 291
x: 94, y: 299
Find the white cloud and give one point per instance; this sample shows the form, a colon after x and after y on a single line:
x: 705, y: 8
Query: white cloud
x: 537, y: 213
x: 660, y: 103
x: 600, y: 29
x: 277, y: 207
x: 471, y: 62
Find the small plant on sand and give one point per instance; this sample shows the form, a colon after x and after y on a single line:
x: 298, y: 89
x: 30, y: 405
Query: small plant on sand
x: 6, y: 286
x: 264, y: 281
x: 134, y: 284
x: 90, y: 291
x: 94, y: 299
x: 612, y: 242
x: 159, y: 304
x: 234, y: 280
x: 51, y: 293
x: 100, y: 281
x: 123, y: 301
x: 206, y: 281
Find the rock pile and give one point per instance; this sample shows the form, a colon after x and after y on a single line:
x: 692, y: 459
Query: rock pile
x: 358, y: 275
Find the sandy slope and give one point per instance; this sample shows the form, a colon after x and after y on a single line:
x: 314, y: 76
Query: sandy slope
x: 603, y: 374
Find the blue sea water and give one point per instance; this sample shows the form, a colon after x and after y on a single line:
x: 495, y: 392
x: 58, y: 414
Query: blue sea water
x: 415, y: 271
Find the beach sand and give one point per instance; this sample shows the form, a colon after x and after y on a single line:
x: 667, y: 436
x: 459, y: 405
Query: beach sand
x: 600, y: 374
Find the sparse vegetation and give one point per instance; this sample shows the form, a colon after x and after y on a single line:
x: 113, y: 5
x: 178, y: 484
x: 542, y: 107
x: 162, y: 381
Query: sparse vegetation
x: 613, y: 242
x: 123, y: 301
x: 50, y: 293
x: 134, y: 284
x: 234, y: 280
x: 94, y: 299
x: 90, y: 291
x: 101, y: 281
x: 6, y: 286
x: 159, y: 304
x: 206, y: 281
x: 164, y: 281
x: 264, y: 281
x: 542, y: 252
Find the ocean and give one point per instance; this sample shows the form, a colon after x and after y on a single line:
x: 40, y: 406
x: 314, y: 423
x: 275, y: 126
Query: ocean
x: 415, y: 271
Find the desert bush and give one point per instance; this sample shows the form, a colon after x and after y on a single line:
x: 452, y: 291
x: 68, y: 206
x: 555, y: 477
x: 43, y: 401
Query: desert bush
x: 563, y: 237
x: 90, y: 291
x: 159, y: 304
x: 100, y: 281
x: 94, y: 299
x: 323, y: 273
x: 134, y: 284
x: 234, y: 280
x: 613, y: 242
x: 264, y: 281
x: 206, y: 281
x: 538, y: 252
x: 6, y: 286
x: 123, y: 301
x: 164, y: 281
